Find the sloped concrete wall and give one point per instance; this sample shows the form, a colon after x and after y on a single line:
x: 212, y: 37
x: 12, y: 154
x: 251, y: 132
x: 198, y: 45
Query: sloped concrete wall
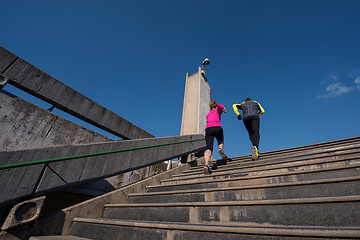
x: 24, y: 125
x: 32, y: 80
x: 83, y: 164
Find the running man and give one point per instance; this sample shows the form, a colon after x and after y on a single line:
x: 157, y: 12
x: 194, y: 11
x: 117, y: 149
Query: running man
x: 252, y: 111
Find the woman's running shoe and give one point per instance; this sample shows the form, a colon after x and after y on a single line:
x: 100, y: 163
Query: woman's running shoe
x: 222, y: 153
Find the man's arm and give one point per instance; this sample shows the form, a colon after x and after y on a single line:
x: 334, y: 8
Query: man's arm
x: 260, y: 108
x: 236, y: 109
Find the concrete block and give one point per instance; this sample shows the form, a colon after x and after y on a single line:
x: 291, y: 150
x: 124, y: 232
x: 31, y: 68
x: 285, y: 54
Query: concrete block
x: 24, y: 212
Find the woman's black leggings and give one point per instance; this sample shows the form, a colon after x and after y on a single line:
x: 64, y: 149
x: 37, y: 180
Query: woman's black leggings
x: 211, y: 133
x: 252, y: 125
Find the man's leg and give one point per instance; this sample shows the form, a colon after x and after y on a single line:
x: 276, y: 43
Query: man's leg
x: 252, y: 126
x: 255, y: 125
x: 248, y: 126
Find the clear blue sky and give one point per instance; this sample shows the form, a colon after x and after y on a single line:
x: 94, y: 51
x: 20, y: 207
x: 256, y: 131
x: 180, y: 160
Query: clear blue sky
x: 299, y: 58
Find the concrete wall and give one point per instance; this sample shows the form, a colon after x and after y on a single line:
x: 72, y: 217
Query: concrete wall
x: 24, y: 125
x: 196, y: 104
x: 42, y: 178
x: 25, y: 76
x: 189, y: 123
x: 204, y: 99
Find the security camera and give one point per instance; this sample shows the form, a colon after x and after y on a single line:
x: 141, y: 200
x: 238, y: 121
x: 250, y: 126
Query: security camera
x: 206, y: 61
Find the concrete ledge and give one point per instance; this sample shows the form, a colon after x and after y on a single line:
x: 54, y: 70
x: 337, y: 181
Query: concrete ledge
x: 42, y: 178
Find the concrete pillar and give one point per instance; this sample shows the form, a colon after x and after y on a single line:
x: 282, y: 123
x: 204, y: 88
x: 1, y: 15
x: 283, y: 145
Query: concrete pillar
x: 196, y: 104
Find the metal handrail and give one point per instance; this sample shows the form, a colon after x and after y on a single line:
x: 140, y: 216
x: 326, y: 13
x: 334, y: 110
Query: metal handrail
x: 15, y: 165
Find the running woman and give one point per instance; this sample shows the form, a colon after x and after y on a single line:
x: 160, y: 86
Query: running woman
x: 213, y: 130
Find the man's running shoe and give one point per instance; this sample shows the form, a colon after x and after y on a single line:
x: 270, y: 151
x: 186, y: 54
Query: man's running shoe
x: 255, y: 153
x: 222, y: 153
x: 207, y: 170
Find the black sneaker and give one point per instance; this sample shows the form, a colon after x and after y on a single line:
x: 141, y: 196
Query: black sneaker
x: 222, y: 153
x: 207, y: 170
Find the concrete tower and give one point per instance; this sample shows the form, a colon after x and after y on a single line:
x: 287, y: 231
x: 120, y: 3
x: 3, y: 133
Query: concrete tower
x: 196, y: 103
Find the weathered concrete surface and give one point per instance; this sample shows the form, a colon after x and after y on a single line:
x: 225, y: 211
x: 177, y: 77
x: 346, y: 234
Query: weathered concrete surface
x: 60, y: 222
x: 330, y: 215
x: 24, y: 125
x: 196, y: 104
x: 38, y: 179
x: 58, y: 238
x: 322, y: 212
x: 25, y: 76
x: 24, y: 212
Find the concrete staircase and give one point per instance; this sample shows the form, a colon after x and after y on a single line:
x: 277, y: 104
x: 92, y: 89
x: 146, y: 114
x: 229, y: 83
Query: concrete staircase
x: 309, y: 192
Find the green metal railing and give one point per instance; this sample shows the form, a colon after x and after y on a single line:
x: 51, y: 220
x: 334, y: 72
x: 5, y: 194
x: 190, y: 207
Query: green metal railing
x: 15, y: 165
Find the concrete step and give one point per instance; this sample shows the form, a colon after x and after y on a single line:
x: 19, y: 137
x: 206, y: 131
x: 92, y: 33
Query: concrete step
x: 65, y: 237
x: 314, y: 148
x: 325, y: 212
x: 303, y: 150
x: 256, y: 169
x: 105, y: 229
x: 336, y: 187
x: 243, y: 179
x: 272, y: 161
x: 308, y: 192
